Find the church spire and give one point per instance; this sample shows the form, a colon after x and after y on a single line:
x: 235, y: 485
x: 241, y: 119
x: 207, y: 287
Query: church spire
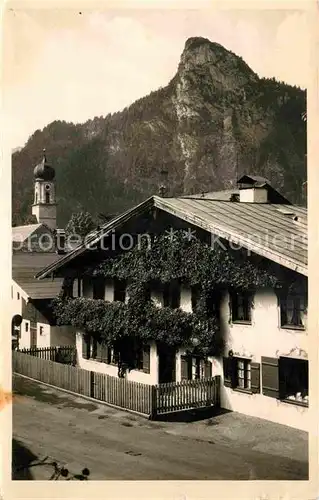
x: 44, y: 206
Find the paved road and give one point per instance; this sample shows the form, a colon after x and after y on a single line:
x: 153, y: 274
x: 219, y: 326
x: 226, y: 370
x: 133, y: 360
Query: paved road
x: 122, y: 446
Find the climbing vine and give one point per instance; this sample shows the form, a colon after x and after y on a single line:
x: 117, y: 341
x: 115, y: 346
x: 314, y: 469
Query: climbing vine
x: 191, y: 262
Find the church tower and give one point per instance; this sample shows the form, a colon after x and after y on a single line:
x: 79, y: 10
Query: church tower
x: 44, y: 206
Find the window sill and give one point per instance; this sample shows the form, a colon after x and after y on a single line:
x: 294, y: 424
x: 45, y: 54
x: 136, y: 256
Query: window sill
x: 241, y: 322
x: 295, y: 403
x: 95, y: 360
x: 293, y: 327
x: 244, y: 391
x: 140, y: 370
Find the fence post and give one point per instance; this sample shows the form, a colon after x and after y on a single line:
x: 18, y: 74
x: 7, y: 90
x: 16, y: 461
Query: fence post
x: 92, y: 384
x: 217, y: 390
x: 153, y: 402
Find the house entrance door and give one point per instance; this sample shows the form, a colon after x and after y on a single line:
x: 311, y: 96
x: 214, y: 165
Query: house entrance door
x: 166, y: 364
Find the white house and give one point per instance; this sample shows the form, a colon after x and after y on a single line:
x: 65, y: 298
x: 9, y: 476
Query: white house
x: 264, y: 363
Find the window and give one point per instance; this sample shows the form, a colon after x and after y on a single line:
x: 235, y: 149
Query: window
x: 195, y: 297
x: 119, y: 290
x: 47, y: 197
x: 194, y: 367
x: 18, y: 295
x: 241, y: 374
x: 27, y: 327
x: 292, y: 310
x: 241, y: 307
x: 41, y: 330
x: 293, y: 380
x: 172, y: 295
x: 79, y: 286
x: 98, y: 351
x: 285, y: 379
x: 143, y: 359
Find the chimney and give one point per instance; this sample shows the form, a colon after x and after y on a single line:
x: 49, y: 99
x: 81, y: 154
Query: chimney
x: 60, y: 242
x: 253, y: 189
x: 163, y: 187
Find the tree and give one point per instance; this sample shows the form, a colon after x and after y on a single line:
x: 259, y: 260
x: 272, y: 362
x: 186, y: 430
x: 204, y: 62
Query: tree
x: 80, y: 225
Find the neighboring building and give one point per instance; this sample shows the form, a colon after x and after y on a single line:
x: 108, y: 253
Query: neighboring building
x: 35, y: 246
x: 264, y: 366
x: 33, y: 238
x: 31, y: 299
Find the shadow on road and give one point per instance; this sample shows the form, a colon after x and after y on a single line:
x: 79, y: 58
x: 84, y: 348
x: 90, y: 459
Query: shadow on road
x: 22, y: 457
x: 193, y: 415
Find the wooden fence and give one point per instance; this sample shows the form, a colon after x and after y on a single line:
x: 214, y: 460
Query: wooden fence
x: 149, y: 400
x: 120, y: 392
x: 188, y: 394
x: 60, y: 354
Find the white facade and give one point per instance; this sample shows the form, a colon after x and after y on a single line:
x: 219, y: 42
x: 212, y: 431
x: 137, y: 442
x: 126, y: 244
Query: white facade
x: 110, y: 369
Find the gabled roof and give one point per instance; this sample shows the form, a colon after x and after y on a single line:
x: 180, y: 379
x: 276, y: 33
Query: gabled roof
x: 261, y: 227
x: 25, y: 265
x: 275, y: 231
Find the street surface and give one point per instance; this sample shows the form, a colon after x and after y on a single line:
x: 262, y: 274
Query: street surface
x: 118, y: 445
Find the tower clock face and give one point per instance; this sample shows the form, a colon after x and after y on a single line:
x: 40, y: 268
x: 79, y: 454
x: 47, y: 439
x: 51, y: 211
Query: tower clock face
x: 47, y: 187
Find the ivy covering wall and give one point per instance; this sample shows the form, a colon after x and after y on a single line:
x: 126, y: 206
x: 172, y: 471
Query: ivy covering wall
x: 139, y: 320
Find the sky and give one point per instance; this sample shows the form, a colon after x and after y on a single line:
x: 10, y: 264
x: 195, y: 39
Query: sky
x: 68, y: 64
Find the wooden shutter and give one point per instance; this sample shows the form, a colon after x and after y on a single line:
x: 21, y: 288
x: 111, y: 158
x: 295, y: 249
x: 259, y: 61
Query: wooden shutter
x: 94, y: 348
x: 270, y: 377
x: 207, y: 369
x: 229, y: 367
x: 255, y: 377
x: 98, y: 356
x: 233, y: 305
x: 85, y: 346
x: 146, y: 359
x: 184, y: 368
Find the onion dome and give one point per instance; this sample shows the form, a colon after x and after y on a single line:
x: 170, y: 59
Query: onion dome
x: 43, y: 171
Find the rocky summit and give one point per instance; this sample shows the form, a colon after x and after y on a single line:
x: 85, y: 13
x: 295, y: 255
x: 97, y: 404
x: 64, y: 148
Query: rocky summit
x: 215, y: 120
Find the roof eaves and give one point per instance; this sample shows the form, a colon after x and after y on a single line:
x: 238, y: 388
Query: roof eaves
x: 259, y: 249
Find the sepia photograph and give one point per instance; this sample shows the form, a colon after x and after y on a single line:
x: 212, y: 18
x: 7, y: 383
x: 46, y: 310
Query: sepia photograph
x: 159, y: 243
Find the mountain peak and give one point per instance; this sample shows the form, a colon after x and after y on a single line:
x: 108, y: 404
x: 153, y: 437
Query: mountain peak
x: 200, y: 53
x: 197, y: 41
